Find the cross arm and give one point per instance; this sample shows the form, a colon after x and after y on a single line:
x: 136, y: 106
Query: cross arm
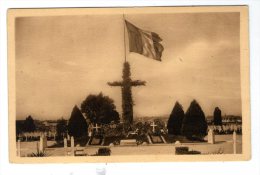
x: 115, y: 83
x: 138, y: 83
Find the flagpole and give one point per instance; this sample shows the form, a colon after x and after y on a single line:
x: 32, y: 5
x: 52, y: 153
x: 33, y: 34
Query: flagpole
x: 124, y: 36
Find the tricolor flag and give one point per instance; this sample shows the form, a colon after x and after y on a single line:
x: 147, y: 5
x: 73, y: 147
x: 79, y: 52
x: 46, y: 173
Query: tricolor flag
x: 144, y: 42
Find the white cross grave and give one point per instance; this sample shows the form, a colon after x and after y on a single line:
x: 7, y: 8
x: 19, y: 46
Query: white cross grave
x: 96, y: 127
x: 153, y: 125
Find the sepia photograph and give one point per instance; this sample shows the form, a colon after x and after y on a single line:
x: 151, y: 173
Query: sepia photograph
x: 129, y: 84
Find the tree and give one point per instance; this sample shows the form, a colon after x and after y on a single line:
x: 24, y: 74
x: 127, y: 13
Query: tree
x: 29, y: 125
x: 113, y: 116
x: 100, y: 109
x: 175, y: 120
x: 77, y: 126
x: 142, y: 128
x: 217, y: 117
x: 194, y: 124
x: 61, y: 128
x: 19, y: 127
x: 160, y: 127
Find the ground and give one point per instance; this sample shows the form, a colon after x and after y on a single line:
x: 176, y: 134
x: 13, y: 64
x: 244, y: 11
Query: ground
x: 223, y: 145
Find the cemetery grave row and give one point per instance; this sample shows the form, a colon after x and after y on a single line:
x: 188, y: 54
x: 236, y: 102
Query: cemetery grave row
x: 70, y: 149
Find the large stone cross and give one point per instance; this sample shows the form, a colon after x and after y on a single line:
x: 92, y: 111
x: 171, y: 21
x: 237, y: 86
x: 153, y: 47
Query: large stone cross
x: 126, y: 88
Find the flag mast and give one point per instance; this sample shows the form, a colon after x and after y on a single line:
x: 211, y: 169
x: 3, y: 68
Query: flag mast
x: 124, y: 36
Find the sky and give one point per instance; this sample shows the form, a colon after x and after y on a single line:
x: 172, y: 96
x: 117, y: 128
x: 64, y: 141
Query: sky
x: 60, y: 60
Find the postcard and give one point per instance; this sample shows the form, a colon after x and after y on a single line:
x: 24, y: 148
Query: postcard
x: 137, y: 84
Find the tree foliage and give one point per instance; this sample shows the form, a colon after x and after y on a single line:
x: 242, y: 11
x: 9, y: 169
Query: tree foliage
x: 19, y: 127
x: 194, y: 123
x: 217, y: 120
x: 160, y: 127
x: 175, y: 120
x: 61, y: 128
x: 29, y: 125
x: 127, y: 100
x: 100, y: 109
x: 142, y: 128
x: 77, y: 126
x: 126, y: 88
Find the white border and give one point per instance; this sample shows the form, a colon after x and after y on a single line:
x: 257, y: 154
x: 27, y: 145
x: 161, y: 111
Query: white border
x: 199, y: 168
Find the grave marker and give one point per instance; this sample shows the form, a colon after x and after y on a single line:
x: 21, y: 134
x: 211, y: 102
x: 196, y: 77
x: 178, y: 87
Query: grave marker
x: 97, y: 127
x: 153, y: 125
x: 177, y: 142
x: 164, y: 141
x: 43, y: 143
x: 19, y: 148
x: 54, y: 136
x: 65, y: 143
x: 149, y: 139
x: 90, y: 131
x: 144, y: 143
x: 72, y: 142
x: 211, y: 136
x: 156, y: 139
x: 234, y: 142
x: 72, y: 145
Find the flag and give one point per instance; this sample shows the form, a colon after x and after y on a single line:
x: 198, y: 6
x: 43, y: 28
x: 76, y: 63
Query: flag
x: 144, y: 42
